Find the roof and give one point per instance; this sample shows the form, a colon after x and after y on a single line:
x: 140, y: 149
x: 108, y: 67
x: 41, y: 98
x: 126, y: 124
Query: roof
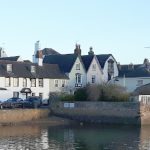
x: 87, y: 59
x: 65, y: 62
x: 103, y: 58
x: 12, y: 58
x: 142, y: 90
x: 137, y: 71
x: 49, y: 51
x: 22, y: 69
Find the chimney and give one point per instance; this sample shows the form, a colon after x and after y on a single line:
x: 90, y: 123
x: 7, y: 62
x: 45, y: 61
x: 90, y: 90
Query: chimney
x: 119, y: 66
x: 39, y: 57
x: 77, y: 50
x: 91, y: 51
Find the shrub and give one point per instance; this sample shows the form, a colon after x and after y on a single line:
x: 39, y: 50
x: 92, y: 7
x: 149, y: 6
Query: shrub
x: 80, y: 94
x: 67, y: 97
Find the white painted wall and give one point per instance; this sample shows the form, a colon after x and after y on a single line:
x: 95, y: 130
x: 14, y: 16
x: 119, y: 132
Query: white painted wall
x: 98, y: 72
x: 48, y: 86
x: 105, y: 69
x: 131, y: 83
x: 72, y: 75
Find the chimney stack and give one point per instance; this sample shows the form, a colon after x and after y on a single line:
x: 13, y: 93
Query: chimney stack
x: 91, y: 52
x: 77, y: 50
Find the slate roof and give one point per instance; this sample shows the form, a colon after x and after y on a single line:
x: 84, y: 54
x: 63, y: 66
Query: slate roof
x: 138, y: 71
x: 65, y: 62
x: 102, y: 59
x: 12, y: 58
x: 142, y: 90
x: 22, y: 69
x: 87, y: 59
x: 49, y: 51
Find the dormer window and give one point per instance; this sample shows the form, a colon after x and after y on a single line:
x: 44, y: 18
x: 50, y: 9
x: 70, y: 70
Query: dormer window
x: 9, y: 67
x: 33, y: 69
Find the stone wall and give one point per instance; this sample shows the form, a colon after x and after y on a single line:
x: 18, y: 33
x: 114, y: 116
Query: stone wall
x: 104, y: 112
x: 12, y: 116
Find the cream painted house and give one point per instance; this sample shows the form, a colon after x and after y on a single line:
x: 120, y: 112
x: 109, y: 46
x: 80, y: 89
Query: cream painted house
x: 72, y: 66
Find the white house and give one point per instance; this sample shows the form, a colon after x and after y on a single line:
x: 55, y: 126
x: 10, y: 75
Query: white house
x: 133, y: 76
x: 72, y: 66
x: 94, y: 72
x: 20, y: 79
x: 109, y: 67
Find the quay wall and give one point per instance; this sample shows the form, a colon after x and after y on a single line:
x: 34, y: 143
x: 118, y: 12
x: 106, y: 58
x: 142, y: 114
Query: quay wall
x: 104, y: 112
x: 12, y: 116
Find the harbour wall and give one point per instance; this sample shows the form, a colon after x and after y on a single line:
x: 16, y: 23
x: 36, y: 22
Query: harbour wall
x: 12, y: 116
x: 104, y: 112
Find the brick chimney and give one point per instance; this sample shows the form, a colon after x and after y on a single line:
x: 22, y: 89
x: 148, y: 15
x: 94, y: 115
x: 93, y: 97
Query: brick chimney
x: 77, y: 50
x: 91, y: 52
x: 39, y: 58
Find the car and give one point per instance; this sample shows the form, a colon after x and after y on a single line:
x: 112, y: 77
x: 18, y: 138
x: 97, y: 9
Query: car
x: 13, y: 102
x: 32, y: 102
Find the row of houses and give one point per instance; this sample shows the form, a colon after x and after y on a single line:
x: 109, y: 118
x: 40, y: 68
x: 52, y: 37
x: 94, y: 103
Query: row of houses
x: 54, y: 72
x: 51, y: 71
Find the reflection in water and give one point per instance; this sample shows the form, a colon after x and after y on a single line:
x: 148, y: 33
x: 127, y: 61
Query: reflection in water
x: 74, y: 138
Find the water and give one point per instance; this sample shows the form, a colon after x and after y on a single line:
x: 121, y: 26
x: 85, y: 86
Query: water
x: 37, y: 137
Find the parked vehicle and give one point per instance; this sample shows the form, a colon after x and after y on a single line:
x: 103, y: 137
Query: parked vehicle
x: 32, y: 102
x: 12, y: 103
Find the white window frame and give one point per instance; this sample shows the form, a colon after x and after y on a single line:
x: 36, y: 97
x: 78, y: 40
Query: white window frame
x: 9, y: 67
x: 7, y: 82
x: 56, y: 83
x: 24, y: 84
x: 78, y: 78
x: 33, y: 82
x: 33, y: 69
x: 63, y: 83
x: 41, y: 82
x: 15, y: 82
x: 93, y: 79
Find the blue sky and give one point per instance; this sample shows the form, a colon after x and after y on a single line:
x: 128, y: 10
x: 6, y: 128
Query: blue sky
x: 120, y: 27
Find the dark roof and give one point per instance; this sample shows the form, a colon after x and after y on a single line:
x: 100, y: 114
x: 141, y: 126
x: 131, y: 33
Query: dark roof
x: 87, y: 59
x: 22, y: 69
x: 136, y: 71
x: 49, y: 51
x: 103, y: 58
x: 142, y: 90
x: 65, y: 62
x: 12, y: 58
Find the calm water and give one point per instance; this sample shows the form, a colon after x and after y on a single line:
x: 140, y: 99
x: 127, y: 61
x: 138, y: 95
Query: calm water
x: 74, y: 138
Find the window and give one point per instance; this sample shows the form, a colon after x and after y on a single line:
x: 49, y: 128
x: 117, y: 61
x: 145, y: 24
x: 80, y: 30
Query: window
x: 33, y: 82
x: 9, y: 67
x: 40, y: 82
x: 77, y: 66
x: 78, y: 79
x: 24, y: 82
x: 94, y: 67
x: 110, y: 66
x: 33, y: 69
x: 41, y: 95
x: 16, y: 94
x: 16, y: 82
x: 56, y: 83
x: 93, y: 78
x: 7, y: 82
x: 139, y: 82
x: 63, y: 83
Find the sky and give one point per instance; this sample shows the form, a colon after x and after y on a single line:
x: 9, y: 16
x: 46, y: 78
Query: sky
x: 119, y: 27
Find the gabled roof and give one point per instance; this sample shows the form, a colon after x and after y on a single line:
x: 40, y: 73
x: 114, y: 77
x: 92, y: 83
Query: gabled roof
x: 103, y: 58
x: 22, y: 69
x: 87, y: 59
x: 65, y: 62
x: 49, y: 51
x: 12, y: 58
x: 137, y: 71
